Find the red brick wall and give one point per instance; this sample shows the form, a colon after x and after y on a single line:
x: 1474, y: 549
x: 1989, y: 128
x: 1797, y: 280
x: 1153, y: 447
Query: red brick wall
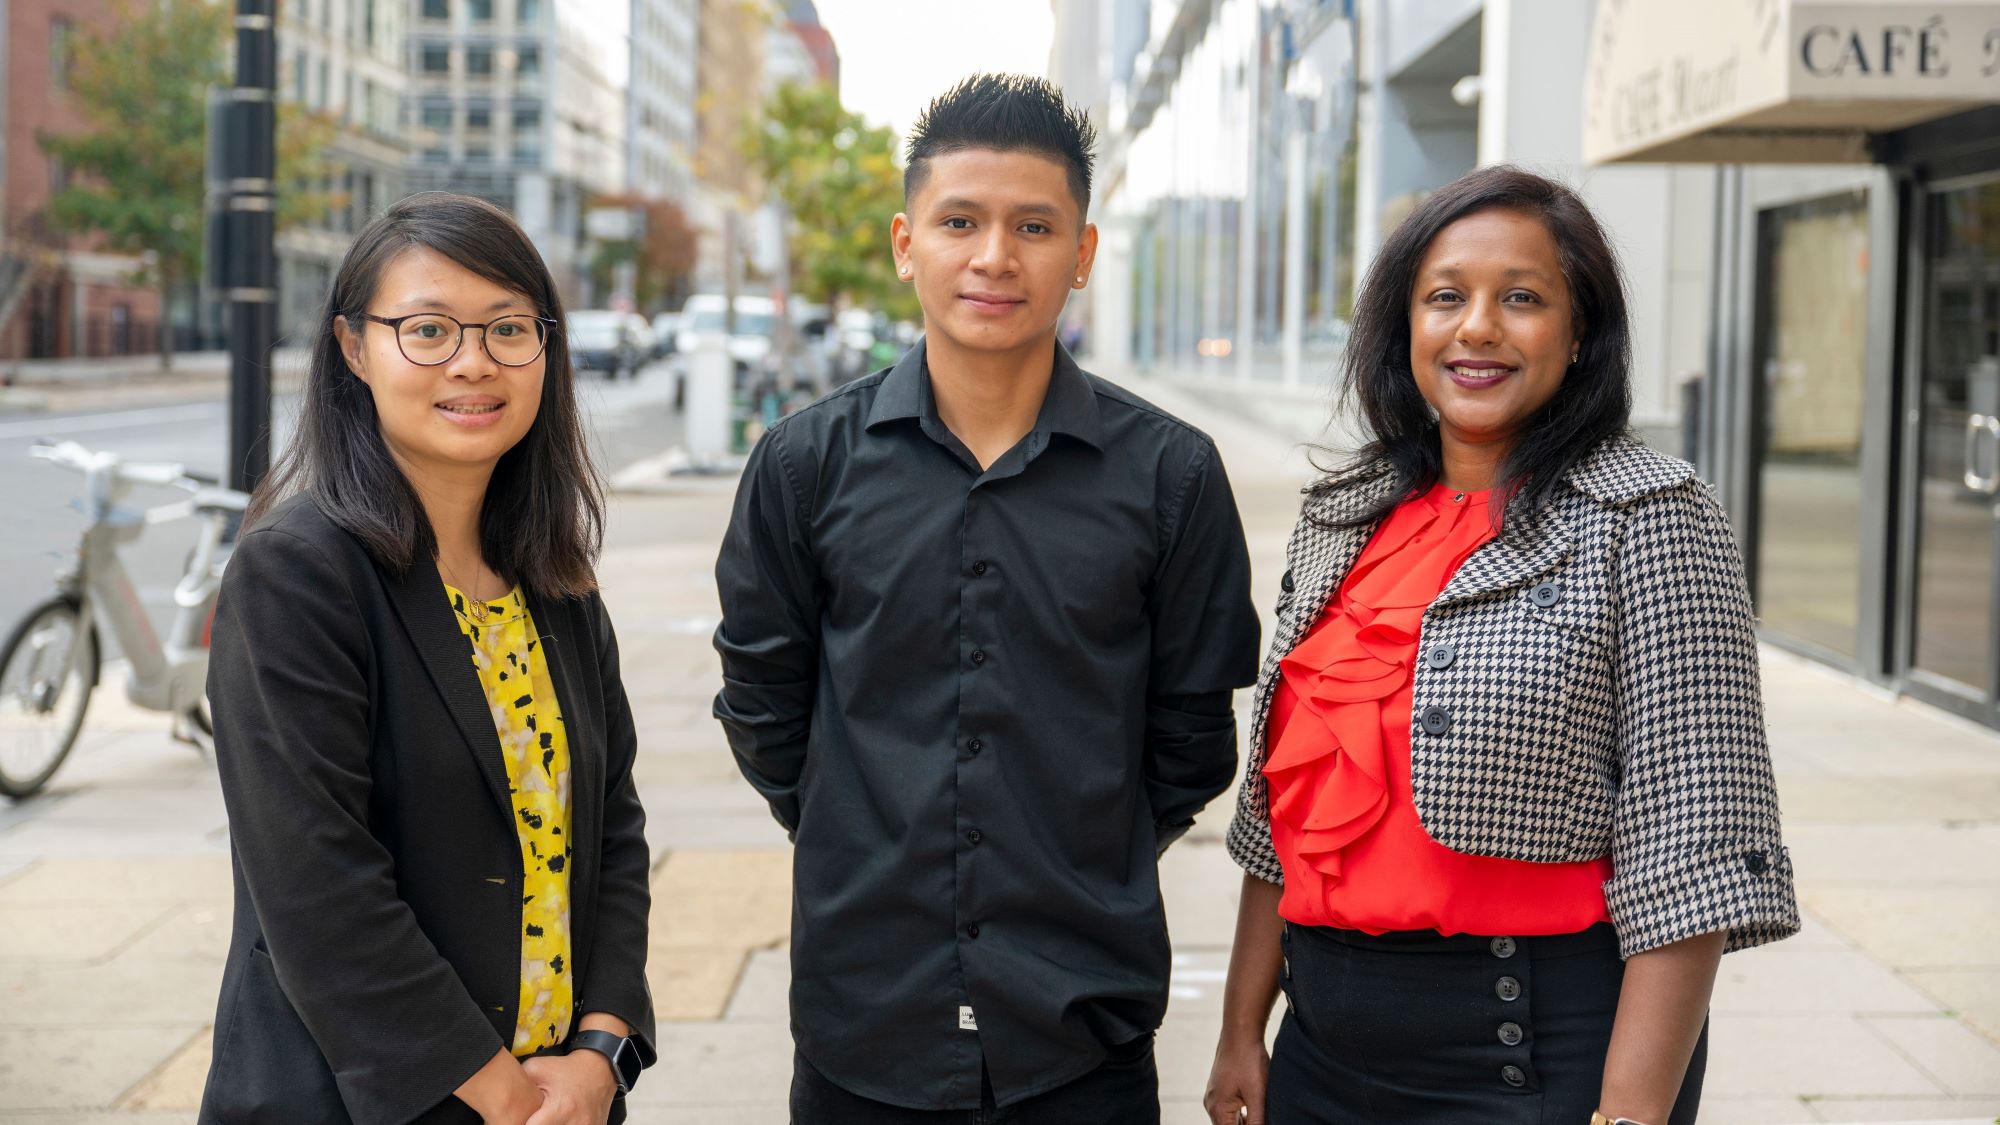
x: 36, y: 107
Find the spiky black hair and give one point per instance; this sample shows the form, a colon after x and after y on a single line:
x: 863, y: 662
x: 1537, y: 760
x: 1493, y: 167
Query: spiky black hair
x: 1010, y: 113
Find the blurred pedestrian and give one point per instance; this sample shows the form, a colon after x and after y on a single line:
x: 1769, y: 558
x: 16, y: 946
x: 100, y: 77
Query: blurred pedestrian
x: 424, y: 744
x: 1509, y: 798
x: 982, y: 616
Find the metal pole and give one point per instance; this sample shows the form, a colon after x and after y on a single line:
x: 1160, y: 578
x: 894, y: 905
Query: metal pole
x: 251, y: 272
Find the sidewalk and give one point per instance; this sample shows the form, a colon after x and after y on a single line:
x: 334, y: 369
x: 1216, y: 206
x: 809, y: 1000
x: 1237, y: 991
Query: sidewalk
x: 114, y: 892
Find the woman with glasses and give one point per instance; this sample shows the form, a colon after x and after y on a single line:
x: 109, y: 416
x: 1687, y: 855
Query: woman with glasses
x: 424, y: 745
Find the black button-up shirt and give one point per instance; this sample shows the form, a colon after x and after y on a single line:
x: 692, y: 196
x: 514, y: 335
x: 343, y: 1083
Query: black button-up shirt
x: 982, y: 702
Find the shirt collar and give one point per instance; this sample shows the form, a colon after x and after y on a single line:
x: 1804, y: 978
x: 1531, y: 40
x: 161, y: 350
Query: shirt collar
x: 1070, y: 407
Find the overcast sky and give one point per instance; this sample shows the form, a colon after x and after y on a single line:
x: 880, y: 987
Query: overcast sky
x: 896, y: 55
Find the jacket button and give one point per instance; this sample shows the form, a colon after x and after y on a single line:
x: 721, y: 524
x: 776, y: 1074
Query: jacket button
x: 974, y: 745
x: 1510, y: 1033
x: 1441, y: 655
x: 1756, y: 862
x: 1285, y: 583
x: 1436, y: 720
x: 972, y: 931
x: 979, y: 567
x: 1513, y: 1076
x: 1507, y: 988
x: 1546, y: 594
x: 1503, y: 947
x: 978, y: 656
x: 973, y: 837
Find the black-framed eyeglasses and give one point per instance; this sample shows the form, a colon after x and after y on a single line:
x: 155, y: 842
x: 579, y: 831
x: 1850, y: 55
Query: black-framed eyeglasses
x: 430, y: 339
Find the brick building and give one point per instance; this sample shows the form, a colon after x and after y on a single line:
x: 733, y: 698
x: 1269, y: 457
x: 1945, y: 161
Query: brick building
x: 59, y: 295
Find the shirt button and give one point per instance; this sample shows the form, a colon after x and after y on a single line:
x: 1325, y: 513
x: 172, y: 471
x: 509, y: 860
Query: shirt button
x: 1503, y: 947
x: 973, y: 837
x: 1441, y: 655
x: 1436, y: 720
x: 974, y: 745
x: 1510, y: 1033
x: 1513, y: 1076
x: 1507, y: 988
x: 972, y: 931
x: 979, y: 567
x: 1546, y: 594
x: 978, y: 657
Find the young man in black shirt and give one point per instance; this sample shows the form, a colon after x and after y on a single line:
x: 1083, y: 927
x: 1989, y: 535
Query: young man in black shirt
x: 983, y: 613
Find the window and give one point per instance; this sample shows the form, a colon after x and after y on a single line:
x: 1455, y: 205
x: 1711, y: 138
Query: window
x: 437, y: 59
x: 368, y: 22
x: 437, y: 9
x: 478, y: 154
x: 530, y: 61
x: 479, y: 61
x: 478, y: 117
x: 480, y: 10
x: 437, y: 116
x: 527, y: 118
x: 58, y: 175
x: 437, y: 156
x: 60, y: 31
x: 529, y: 13
x: 527, y: 153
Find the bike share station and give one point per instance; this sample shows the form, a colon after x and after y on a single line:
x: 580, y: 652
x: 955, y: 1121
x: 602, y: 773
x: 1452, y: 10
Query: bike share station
x: 51, y: 661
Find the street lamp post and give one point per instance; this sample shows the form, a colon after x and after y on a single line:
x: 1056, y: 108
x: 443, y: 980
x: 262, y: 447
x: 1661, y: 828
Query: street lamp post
x: 250, y: 264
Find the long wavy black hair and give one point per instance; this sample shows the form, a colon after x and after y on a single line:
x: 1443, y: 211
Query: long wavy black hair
x: 1594, y: 402
x: 543, y: 519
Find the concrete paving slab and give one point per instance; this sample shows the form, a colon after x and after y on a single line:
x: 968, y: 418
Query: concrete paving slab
x: 1957, y: 854
x: 1913, y: 927
x: 70, y: 932
x: 121, y: 879
x: 719, y: 1064
x: 178, y: 1083
x: 1754, y: 1111
x: 1196, y: 984
x: 73, y: 1068
x: 1963, y: 1061
x: 763, y: 994
x: 1875, y: 800
x: 1830, y: 1055
x: 1200, y: 884
x: 693, y: 984
x: 1972, y: 994
x: 740, y: 898
x: 81, y: 1118
x: 198, y: 931
x: 763, y: 1113
x: 122, y: 991
x: 1777, y: 979
x: 1921, y: 1111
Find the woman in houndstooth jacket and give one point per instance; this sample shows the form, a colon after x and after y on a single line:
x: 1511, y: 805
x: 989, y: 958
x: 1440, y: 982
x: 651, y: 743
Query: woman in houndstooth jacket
x: 1509, y: 798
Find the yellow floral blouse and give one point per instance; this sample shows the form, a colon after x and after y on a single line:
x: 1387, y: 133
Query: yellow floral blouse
x: 515, y: 676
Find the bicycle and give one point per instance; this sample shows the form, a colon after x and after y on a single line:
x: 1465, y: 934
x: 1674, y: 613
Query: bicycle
x: 49, y: 664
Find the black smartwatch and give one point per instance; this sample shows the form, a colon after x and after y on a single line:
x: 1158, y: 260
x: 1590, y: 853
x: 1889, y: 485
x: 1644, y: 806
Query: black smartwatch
x: 623, y: 1056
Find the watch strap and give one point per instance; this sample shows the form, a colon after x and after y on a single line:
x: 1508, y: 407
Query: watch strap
x: 617, y: 1050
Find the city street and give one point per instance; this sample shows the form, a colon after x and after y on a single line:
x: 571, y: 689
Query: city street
x: 115, y: 886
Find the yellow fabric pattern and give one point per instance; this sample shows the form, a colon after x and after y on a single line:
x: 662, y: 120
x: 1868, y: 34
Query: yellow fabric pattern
x: 515, y: 675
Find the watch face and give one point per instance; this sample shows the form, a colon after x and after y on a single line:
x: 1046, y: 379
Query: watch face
x: 626, y: 1062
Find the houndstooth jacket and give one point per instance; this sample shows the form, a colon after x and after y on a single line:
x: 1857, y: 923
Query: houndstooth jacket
x: 1587, y: 684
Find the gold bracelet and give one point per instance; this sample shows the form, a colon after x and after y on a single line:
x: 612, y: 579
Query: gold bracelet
x: 1599, y: 1119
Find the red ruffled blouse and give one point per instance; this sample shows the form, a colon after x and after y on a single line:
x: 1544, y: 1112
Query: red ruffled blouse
x: 1343, y: 819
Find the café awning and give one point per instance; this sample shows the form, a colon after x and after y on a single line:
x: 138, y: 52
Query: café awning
x: 1779, y: 81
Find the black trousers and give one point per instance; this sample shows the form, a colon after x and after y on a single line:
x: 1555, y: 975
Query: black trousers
x: 1123, y: 1091
x: 1421, y: 1029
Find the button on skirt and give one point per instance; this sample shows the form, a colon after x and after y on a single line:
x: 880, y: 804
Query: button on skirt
x: 1421, y: 1029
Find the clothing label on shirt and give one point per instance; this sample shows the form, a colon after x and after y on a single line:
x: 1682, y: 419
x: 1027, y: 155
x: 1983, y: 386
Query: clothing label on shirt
x: 965, y: 1020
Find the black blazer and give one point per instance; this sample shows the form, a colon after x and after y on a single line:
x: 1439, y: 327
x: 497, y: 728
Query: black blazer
x: 373, y: 966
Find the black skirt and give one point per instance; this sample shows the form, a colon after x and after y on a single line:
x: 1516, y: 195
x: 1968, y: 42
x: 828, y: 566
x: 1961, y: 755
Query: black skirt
x: 1417, y: 1028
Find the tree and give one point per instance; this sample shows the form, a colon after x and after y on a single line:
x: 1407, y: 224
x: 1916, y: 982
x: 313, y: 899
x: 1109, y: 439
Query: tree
x: 839, y: 178
x: 664, y: 253
x: 136, y: 170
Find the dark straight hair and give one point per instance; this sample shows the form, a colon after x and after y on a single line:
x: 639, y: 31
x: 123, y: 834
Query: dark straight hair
x: 1594, y: 402
x: 543, y: 519
x: 1008, y: 113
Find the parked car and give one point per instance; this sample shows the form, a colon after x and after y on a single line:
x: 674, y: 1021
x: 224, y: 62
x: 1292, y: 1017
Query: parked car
x: 645, y: 344
x: 602, y: 340
x: 756, y: 321
x: 666, y: 327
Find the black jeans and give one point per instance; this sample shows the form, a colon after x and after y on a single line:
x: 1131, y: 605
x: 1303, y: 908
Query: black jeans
x: 1422, y: 1029
x: 1124, y: 1091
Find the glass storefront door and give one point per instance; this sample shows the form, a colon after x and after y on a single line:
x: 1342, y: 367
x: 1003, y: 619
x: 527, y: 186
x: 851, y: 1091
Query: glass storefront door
x: 1812, y: 345
x: 1954, y: 632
